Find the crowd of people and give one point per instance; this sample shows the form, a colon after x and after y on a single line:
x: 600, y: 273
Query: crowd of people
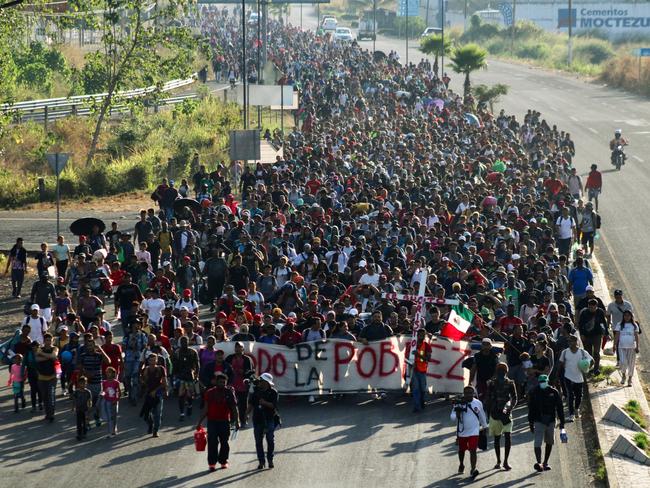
x: 383, y: 181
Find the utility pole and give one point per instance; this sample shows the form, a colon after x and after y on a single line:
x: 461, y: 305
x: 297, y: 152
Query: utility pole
x: 570, y: 46
x: 512, y: 27
x: 442, y: 34
x: 465, y: 18
x: 243, y: 56
x: 374, y: 24
x: 259, y: 65
x: 426, y: 19
x: 301, y: 16
x: 406, y: 5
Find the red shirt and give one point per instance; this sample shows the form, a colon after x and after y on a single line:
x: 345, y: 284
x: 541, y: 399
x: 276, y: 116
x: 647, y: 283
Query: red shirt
x: 114, y: 353
x: 220, y: 403
x: 421, y: 353
x: 507, y: 324
x: 594, y: 180
x: 553, y: 185
x: 313, y: 186
x: 290, y: 338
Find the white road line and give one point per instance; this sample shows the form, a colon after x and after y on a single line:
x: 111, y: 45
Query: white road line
x: 638, y: 159
x: 593, y: 130
x: 554, y: 109
x: 575, y: 119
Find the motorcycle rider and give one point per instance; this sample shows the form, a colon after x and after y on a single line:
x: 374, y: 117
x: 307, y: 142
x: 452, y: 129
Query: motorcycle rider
x: 618, y: 140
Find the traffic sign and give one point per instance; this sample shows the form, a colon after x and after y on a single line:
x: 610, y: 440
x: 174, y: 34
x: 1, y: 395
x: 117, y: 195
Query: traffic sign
x: 57, y: 161
x: 644, y: 52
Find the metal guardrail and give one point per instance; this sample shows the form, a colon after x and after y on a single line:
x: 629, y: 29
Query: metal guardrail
x: 56, y: 108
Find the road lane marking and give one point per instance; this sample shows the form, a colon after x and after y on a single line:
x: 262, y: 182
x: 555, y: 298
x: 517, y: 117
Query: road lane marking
x: 642, y: 132
x: 638, y: 159
x: 575, y: 119
x: 593, y: 130
x: 554, y: 109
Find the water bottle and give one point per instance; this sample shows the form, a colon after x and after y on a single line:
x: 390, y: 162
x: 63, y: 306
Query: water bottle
x: 563, y: 437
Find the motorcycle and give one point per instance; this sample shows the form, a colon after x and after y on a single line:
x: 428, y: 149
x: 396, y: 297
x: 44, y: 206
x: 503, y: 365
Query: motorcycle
x: 618, y: 157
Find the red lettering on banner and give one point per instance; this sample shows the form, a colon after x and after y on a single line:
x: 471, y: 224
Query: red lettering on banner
x: 279, y: 360
x: 339, y: 360
x: 463, y: 355
x: 386, y: 349
x: 435, y: 361
x: 263, y: 355
x: 372, y: 352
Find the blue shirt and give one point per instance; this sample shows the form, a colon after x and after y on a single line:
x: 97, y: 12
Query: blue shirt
x: 580, y: 278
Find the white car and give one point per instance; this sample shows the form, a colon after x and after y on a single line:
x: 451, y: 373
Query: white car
x: 329, y: 24
x: 343, y: 34
x: 431, y: 30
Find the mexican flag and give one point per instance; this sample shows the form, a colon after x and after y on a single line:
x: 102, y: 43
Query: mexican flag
x: 459, y: 321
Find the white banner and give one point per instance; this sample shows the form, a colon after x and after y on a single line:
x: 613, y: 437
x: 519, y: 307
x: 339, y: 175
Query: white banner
x: 338, y: 366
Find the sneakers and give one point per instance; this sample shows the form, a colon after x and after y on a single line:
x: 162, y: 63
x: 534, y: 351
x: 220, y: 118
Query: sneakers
x: 181, y: 418
x: 224, y: 466
x: 260, y: 466
x: 474, y: 473
x: 629, y: 382
x: 461, y: 468
x: 506, y: 466
x: 571, y: 418
x: 271, y: 465
x: 577, y: 416
x: 546, y: 467
x: 212, y: 468
x: 538, y: 467
x: 312, y: 399
x: 155, y: 434
x: 497, y: 466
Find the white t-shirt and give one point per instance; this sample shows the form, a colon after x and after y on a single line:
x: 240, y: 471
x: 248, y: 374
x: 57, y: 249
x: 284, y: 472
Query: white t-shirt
x: 39, y: 327
x: 566, y: 227
x: 570, y: 359
x: 626, y: 335
x: 367, y: 279
x: 471, y: 421
x: 154, y: 308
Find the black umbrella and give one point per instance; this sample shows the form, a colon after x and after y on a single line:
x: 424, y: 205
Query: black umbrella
x: 84, y: 227
x: 192, y: 204
x: 378, y: 56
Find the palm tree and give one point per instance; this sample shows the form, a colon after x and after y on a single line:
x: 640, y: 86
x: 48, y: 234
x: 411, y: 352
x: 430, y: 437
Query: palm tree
x: 489, y: 94
x: 434, y: 44
x: 466, y: 59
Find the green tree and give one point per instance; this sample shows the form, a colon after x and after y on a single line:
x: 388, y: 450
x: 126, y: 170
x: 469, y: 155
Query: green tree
x: 489, y: 94
x: 467, y: 59
x: 434, y: 44
x: 141, y: 45
x: 12, y: 25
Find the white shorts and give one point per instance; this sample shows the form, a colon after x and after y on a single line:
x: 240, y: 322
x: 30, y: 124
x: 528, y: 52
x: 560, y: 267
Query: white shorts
x: 47, y: 314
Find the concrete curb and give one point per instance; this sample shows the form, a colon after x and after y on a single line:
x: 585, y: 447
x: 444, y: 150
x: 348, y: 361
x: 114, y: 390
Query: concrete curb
x: 619, y: 416
x: 625, y: 447
x: 612, y: 423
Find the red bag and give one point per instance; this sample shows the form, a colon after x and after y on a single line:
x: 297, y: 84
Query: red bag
x: 200, y: 439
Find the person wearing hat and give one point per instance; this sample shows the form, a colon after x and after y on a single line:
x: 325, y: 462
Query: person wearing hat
x: 36, y: 323
x: 469, y: 415
x: 263, y: 404
x: 571, y: 360
x: 187, y: 301
x: 592, y: 325
x: 220, y: 409
x: 545, y: 408
x: 589, y: 223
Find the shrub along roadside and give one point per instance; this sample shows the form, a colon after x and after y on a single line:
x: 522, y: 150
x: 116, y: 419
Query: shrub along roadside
x: 137, y: 152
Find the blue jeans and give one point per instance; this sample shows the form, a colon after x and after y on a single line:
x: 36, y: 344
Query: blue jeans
x: 261, y: 430
x: 155, y: 416
x: 418, y: 389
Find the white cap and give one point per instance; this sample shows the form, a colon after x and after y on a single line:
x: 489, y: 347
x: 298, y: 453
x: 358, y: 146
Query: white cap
x: 268, y: 377
x: 515, y: 257
x: 354, y: 312
x: 166, y: 263
x: 589, y: 288
x: 362, y: 263
x: 35, y: 307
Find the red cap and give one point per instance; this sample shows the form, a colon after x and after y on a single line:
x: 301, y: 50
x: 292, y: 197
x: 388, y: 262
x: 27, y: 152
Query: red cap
x: 187, y: 292
x: 257, y: 317
x: 187, y: 259
x: 242, y: 292
x: 223, y: 315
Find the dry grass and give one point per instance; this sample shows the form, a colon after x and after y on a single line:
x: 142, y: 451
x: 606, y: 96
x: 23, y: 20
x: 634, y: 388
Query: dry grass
x: 623, y: 72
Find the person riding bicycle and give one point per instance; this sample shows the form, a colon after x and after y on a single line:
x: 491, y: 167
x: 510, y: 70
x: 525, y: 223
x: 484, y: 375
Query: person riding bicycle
x: 618, y: 140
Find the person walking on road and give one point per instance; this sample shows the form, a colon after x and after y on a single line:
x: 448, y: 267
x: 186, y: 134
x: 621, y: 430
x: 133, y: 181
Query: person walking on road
x: 626, y: 341
x: 263, y: 404
x: 154, y: 378
x: 46, y: 356
x: 470, y: 419
x: 419, y: 378
x: 594, y: 184
x: 220, y: 408
x: 544, y: 408
x: 18, y: 263
x: 592, y: 325
x: 500, y: 400
x: 574, y: 361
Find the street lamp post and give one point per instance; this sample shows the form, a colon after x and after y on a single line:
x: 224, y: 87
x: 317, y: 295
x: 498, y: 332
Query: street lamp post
x: 514, y: 23
x: 243, y: 55
x: 374, y: 24
x: 442, y: 34
x: 406, y: 6
x: 570, y: 45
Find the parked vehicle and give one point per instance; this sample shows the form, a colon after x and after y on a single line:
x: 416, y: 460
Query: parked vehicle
x: 367, y: 29
x: 343, y: 34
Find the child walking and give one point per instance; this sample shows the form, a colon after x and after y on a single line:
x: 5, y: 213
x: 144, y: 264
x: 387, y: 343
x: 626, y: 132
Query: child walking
x: 82, y: 401
x: 17, y: 376
x: 110, y: 399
